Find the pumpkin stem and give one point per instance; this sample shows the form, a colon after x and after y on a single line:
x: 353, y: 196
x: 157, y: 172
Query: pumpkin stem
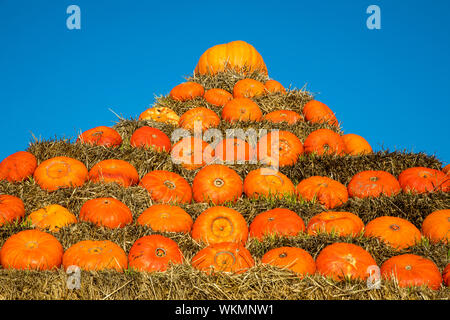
x: 394, y: 227
x: 218, y: 183
x: 169, y: 184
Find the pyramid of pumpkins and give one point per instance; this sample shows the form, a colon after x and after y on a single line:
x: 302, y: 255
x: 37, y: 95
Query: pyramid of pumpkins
x: 223, y: 230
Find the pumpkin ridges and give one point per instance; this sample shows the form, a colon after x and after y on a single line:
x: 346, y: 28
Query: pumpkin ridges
x: 166, y: 218
x: 267, y: 182
x: 187, y: 91
x: 356, y: 145
x: 18, y: 166
x: 107, y: 212
x: 279, y: 116
x: 101, y: 136
x: 52, y: 217
x: 318, y: 112
x: 241, y: 109
x: 436, y: 226
x: 165, y: 186
x: 12, y: 209
x: 217, y: 97
x: 273, y: 86
x: 192, y: 153
x: 234, y: 150
x: 294, y: 259
x: 373, y: 183
x: 114, y: 170
x: 422, y: 180
x: 324, y: 141
x: 328, y: 192
x: 150, y: 137
x: 248, y: 88
x: 283, y: 150
x: 206, y: 119
x: 282, y: 222
x: 341, y: 223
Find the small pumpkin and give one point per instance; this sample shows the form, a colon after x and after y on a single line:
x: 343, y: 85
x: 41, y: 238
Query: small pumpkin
x: 154, y: 253
x: 18, y: 166
x: 106, y: 212
x: 267, y: 183
x: 166, y: 218
x: 318, y: 112
x: 192, y: 153
x: 356, y: 145
x: 339, y: 223
x: 241, y: 109
x: 234, y: 150
x: 436, y: 226
x: 279, y: 148
x: 294, y: 259
x: 446, y: 275
x: 324, y: 141
x: 373, y: 183
x: 279, y: 116
x: 52, y: 217
x: 150, y: 138
x: 423, y: 180
x: 220, y: 224
x: 11, y: 209
x: 248, y: 88
x: 217, y: 97
x: 114, y: 170
x: 279, y: 221
x: 165, y: 186
x: 273, y: 86
x: 187, y: 91
x: 101, y: 136
x: 328, y: 192
x: 199, y: 118
x: 160, y: 114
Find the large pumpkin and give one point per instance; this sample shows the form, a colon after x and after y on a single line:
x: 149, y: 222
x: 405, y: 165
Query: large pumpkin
x: 279, y: 148
x: 241, y: 109
x: 278, y: 116
x: 328, y: 192
x: 294, y: 259
x: 436, y: 226
x: 114, y: 170
x: 372, y: 183
x: 165, y: 186
x: 265, y: 182
x: 166, y: 218
x: 52, y: 217
x: 248, y: 88
x: 356, y: 145
x: 107, y: 212
x: 18, y: 166
x: 339, y: 223
x: 192, y: 153
x: 101, y: 136
x: 160, y: 114
x: 199, y: 118
x: 187, y: 91
x: 324, y: 141
x: 236, y: 55
x: 149, y: 137
x: 422, y: 180
x: 11, y: 209
x: 280, y: 221
x: 234, y: 150
x: 217, y: 97
x: 318, y: 112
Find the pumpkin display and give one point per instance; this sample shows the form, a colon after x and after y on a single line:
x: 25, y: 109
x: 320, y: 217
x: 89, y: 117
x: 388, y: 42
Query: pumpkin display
x: 217, y: 97
x: 199, y: 118
x: 187, y: 91
x: 294, y: 259
x: 446, y: 275
x: 11, y: 209
x: 218, y: 184
x: 60, y: 172
x: 220, y: 224
x: 95, y: 255
x: 234, y: 150
x: 318, y: 112
x: 339, y: 223
x: 236, y: 55
x: 328, y: 192
x: 324, y: 141
x: 101, y: 136
x: 166, y: 218
x: 154, y: 253
x: 422, y: 180
x: 241, y: 109
x: 106, y: 212
x: 267, y: 182
x: 280, y: 221
x: 160, y: 114
x: 273, y: 86
x: 356, y: 145
x: 278, y: 116
x: 412, y: 270
x: 436, y: 226
x: 372, y: 183
x: 344, y: 260
x: 192, y: 153
x: 52, y: 218
x: 165, y: 186
x: 18, y: 166
x: 114, y: 170
x: 31, y: 250
x: 227, y: 257
x: 150, y: 138
x: 279, y: 148
x: 248, y: 88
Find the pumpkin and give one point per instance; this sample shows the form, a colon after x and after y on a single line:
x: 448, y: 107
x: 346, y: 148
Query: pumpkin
x: 220, y: 224
x: 241, y: 109
x: 192, y: 153
x: 267, y: 183
x: 324, y: 141
x: 412, y: 270
x: 344, y: 260
x: 106, y: 212
x: 199, y: 118
x: 318, y: 112
x: 446, y: 275
x: 18, y: 166
x: 60, y: 172
x: 187, y: 91
x: 166, y: 186
x: 150, y: 138
x: 422, y: 180
x: 166, y: 218
x: 356, y: 145
x: 446, y: 169
x: 101, y: 136
x: 278, y: 116
x: 281, y: 222
x: 233, y: 150
x: 279, y: 148
x: 114, y: 170
x: 11, y: 209
x: 154, y: 253
x: 394, y: 231
x: 436, y: 226
x: 339, y: 223
x: 160, y: 114
x: 95, y: 255
x: 328, y: 192
x: 291, y: 258
x: 223, y: 257
x: 372, y: 183
x: 248, y: 88
x: 217, y: 183
x: 236, y: 55
x: 31, y: 250
x: 52, y: 217
x: 217, y: 97
x: 273, y: 86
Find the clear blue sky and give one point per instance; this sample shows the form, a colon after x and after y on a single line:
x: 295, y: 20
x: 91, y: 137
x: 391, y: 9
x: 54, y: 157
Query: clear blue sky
x: 391, y: 86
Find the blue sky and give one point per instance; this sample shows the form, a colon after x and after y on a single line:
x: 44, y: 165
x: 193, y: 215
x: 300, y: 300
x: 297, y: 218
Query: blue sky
x: 390, y: 85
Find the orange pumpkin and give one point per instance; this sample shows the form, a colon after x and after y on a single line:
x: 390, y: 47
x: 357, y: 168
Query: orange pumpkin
x: 436, y: 226
x: 220, y: 224
x: 93, y: 255
x: 324, y: 141
x: 52, y: 217
x: 446, y: 275
x: 339, y: 223
x: 223, y: 257
x: 279, y: 147
x: 412, y: 270
x: 294, y: 259
x: 31, y: 250
x: 356, y: 145
x: 106, y: 212
x: 422, y: 180
x: 344, y: 260
x: 217, y: 97
x: 114, y: 170
x: 187, y: 91
x: 60, y: 172
x: 234, y: 150
x: 166, y: 186
x: 248, y: 88
x: 160, y: 114
x: 11, y: 209
x: 372, y: 183
x: 101, y: 136
x: 318, y: 112
x: 396, y: 232
x: 281, y: 222
x: 152, y: 138
x: 236, y: 55
x: 154, y: 253
x: 192, y: 153
x: 267, y: 183
x: 278, y: 116
x: 446, y: 169
x: 166, y: 218
x: 273, y: 86
x: 18, y: 166
x: 241, y: 109
x: 199, y: 118
x: 328, y: 192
